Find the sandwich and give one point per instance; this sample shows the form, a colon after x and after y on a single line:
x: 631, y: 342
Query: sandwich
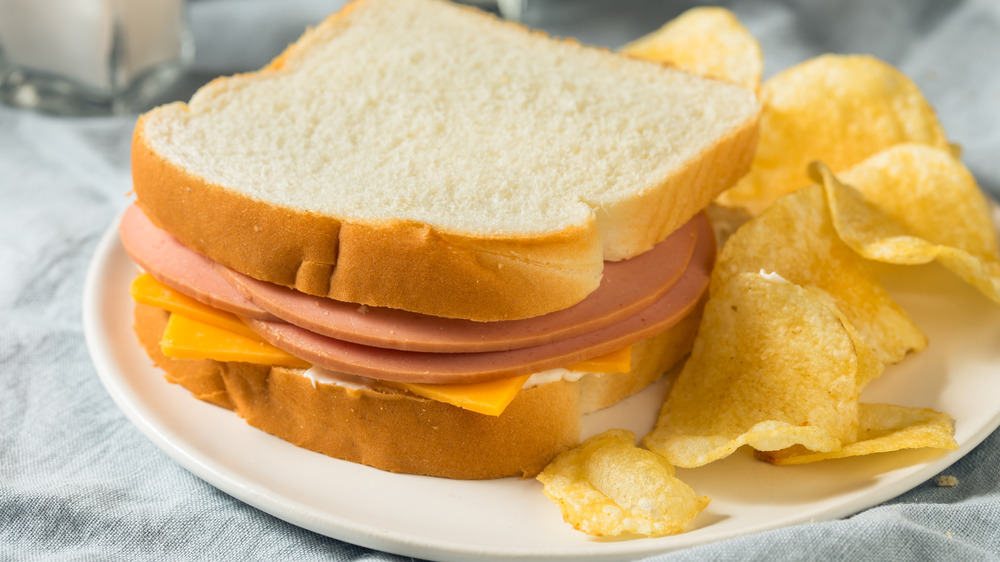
x: 427, y: 240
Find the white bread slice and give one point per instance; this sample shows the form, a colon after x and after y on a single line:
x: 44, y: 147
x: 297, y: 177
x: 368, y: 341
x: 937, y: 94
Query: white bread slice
x: 419, y: 155
x: 401, y: 432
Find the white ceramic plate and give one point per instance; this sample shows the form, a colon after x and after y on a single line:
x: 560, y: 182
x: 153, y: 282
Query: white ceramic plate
x: 434, y: 518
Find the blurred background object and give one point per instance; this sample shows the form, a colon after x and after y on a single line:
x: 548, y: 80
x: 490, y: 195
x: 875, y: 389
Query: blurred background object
x: 85, y: 57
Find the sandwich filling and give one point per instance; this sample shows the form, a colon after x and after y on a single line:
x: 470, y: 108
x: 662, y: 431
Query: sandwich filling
x: 638, y: 299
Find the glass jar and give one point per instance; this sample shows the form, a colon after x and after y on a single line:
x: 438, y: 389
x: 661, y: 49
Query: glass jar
x: 86, y: 57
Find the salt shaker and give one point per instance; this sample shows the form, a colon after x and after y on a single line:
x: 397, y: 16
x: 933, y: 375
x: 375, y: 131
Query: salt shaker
x: 85, y: 57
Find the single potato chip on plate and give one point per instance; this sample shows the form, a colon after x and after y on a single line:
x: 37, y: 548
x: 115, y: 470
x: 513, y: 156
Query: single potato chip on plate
x: 709, y: 41
x: 796, y: 239
x: 773, y: 365
x: 913, y: 204
x: 838, y: 109
x: 883, y: 428
x: 607, y: 486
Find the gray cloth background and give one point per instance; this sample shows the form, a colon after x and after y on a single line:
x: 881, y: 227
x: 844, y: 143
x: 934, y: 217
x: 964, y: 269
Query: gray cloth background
x: 78, y: 481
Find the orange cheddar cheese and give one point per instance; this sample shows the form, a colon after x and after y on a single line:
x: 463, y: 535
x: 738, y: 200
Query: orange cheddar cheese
x: 147, y: 290
x: 490, y: 397
x: 187, y: 338
x: 619, y: 361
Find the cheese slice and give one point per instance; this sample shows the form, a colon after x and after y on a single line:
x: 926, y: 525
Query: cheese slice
x: 618, y: 361
x: 147, y: 290
x: 490, y: 397
x: 187, y: 338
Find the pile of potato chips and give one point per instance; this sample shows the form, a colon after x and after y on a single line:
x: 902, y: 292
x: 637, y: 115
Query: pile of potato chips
x: 852, y: 167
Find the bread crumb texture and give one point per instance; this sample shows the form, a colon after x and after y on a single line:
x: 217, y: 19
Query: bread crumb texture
x: 946, y: 481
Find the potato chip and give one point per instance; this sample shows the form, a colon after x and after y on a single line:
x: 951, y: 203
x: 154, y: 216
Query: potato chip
x: 913, y: 204
x: 884, y: 428
x: 772, y: 366
x: 609, y: 487
x: 796, y: 239
x: 709, y: 41
x: 839, y: 109
x: 931, y: 194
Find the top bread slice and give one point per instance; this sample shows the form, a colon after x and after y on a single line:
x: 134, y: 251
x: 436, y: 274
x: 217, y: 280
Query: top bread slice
x: 419, y: 155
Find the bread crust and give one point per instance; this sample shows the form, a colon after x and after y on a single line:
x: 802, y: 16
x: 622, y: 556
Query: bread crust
x: 413, y: 266
x: 400, y: 432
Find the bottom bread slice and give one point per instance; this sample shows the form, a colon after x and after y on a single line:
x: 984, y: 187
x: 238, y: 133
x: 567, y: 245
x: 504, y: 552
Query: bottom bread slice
x: 397, y: 431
